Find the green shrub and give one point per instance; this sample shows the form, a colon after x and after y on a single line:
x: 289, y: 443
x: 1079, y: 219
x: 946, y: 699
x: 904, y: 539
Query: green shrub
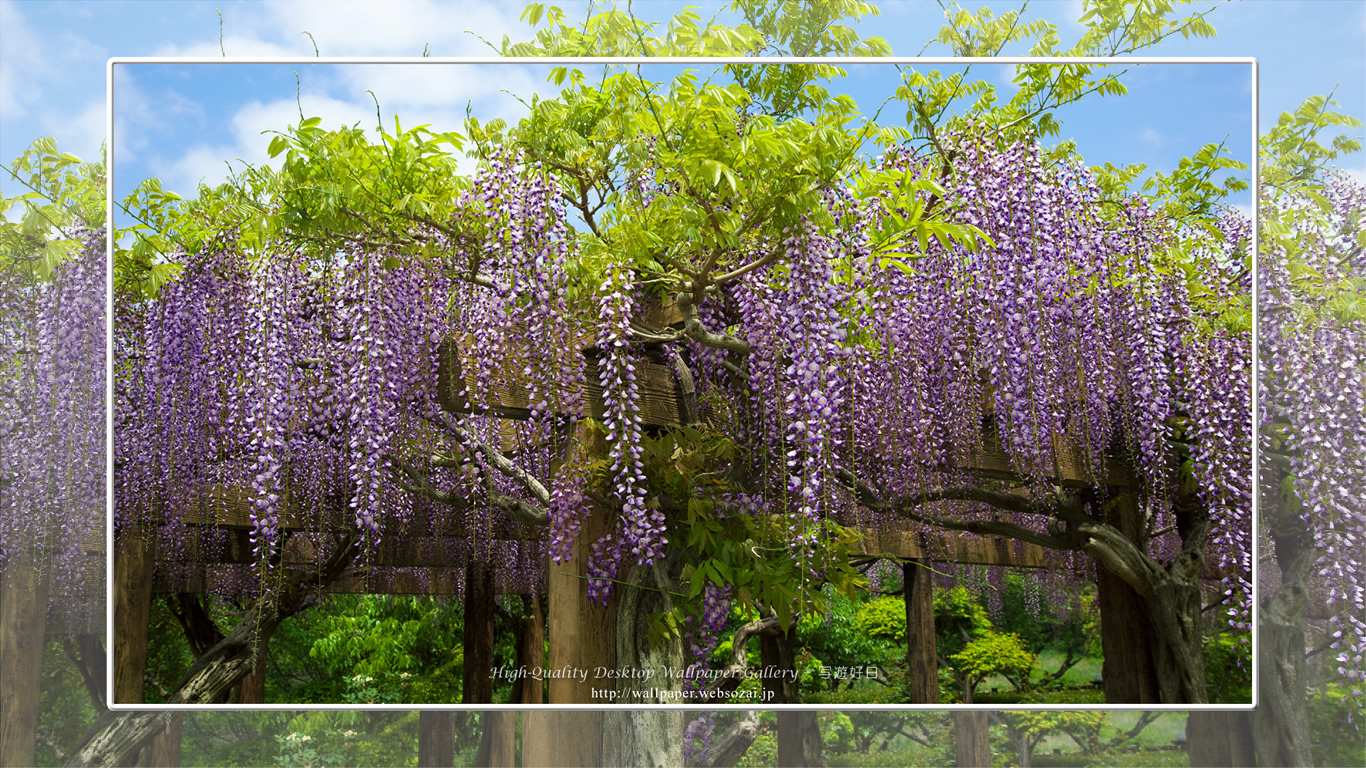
x: 1333, y: 739
x: 1228, y: 672
x: 883, y: 618
x: 994, y: 653
x: 957, y: 612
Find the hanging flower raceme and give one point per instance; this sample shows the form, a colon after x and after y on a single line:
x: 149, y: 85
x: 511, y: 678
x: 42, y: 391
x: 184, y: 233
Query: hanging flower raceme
x: 291, y: 383
x: 641, y: 532
x: 1313, y: 396
x: 52, y: 426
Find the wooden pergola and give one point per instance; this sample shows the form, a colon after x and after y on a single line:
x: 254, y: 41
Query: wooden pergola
x: 580, y: 633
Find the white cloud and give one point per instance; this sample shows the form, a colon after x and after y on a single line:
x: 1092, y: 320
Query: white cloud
x: 1075, y: 9
x: 1150, y: 136
x: 141, y: 118
x: 433, y: 94
x: 364, y: 28
x: 83, y: 133
x: 209, y: 163
x: 23, y: 63
x: 234, y: 45
x: 430, y: 85
x: 275, y: 29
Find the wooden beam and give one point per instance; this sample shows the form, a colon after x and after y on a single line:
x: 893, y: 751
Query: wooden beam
x: 658, y: 396
x: 219, y: 578
x: 659, y: 407
x: 233, y: 547
x: 953, y: 547
x: 229, y: 506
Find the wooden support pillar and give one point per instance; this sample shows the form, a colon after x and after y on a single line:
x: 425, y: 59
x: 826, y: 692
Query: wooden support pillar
x: 252, y: 689
x: 582, y: 632
x: 436, y: 739
x: 164, y: 751
x: 23, y: 618
x: 582, y: 640
x: 561, y: 739
x: 478, y: 638
x: 799, y: 735
x: 971, y: 732
x: 134, y: 555
x: 922, y: 662
x: 531, y: 653
x: 1129, y: 669
x: 498, y: 742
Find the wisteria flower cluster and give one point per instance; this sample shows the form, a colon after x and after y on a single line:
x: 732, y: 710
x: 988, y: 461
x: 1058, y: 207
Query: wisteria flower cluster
x: 303, y: 386
x: 1313, y: 396
x: 52, y: 426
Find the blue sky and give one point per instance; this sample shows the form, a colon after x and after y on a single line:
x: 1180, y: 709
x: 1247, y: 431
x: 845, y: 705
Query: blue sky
x: 182, y: 123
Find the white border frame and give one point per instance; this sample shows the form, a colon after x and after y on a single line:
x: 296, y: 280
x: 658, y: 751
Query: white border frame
x: 676, y: 60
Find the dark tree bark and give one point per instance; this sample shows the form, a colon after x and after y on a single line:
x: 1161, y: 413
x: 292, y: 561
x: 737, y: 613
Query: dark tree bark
x: 971, y: 731
x: 477, y: 685
x: 436, y: 739
x: 1220, y: 740
x: 799, y: 734
x: 922, y: 663
x: 1128, y: 668
x: 117, y: 735
x: 89, y: 659
x: 647, y: 736
x: 1281, y: 723
x: 201, y: 632
x: 727, y: 749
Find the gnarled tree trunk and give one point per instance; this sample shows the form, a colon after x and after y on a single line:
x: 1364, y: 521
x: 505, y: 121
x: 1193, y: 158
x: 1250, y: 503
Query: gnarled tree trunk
x: 645, y: 737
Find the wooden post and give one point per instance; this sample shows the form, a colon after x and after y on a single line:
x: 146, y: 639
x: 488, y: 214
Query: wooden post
x: 582, y: 640
x: 799, y: 736
x: 970, y: 730
x: 252, y: 689
x: 498, y: 742
x: 478, y: 640
x: 134, y: 555
x: 165, y: 746
x: 531, y: 652
x: 23, y: 616
x: 922, y: 662
x: 436, y: 739
x: 1129, y: 669
x: 561, y: 739
x: 582, y: 632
